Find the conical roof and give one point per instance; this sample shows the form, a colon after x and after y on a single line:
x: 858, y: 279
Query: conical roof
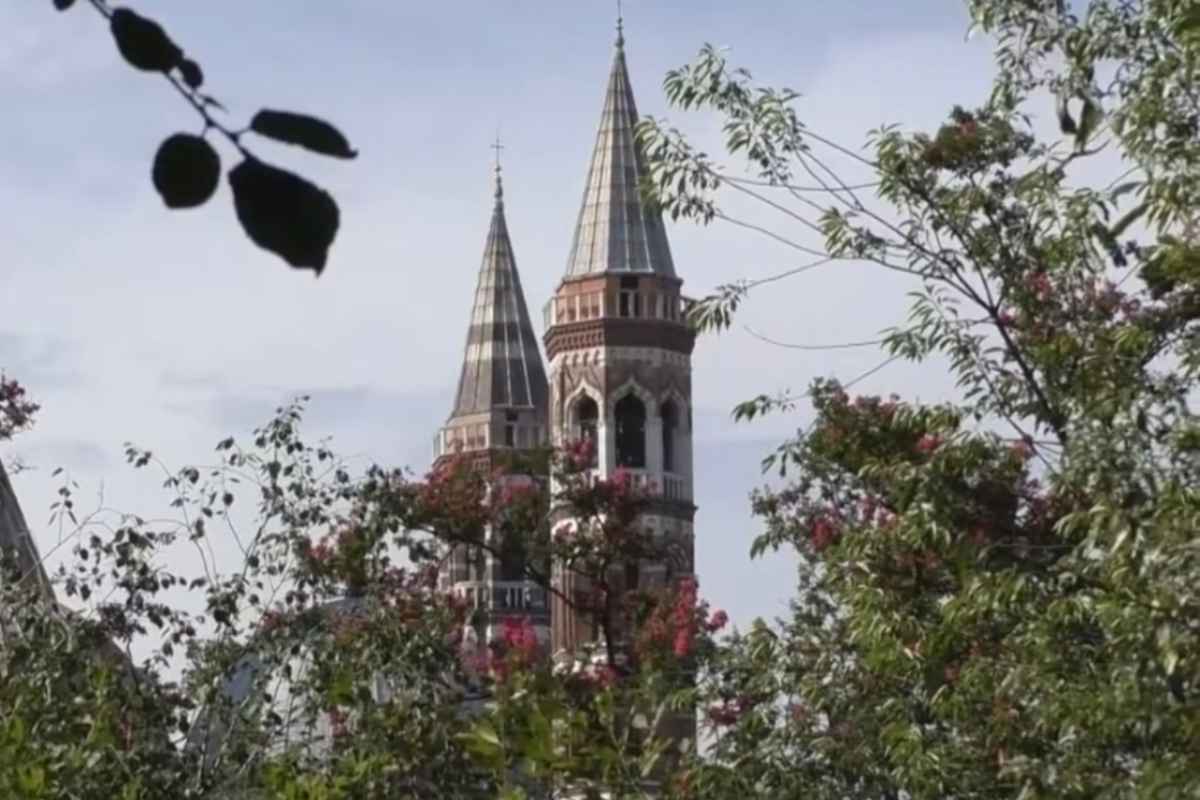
x: 16, y: 541
x: 502, y: 366
x: 616, y: 231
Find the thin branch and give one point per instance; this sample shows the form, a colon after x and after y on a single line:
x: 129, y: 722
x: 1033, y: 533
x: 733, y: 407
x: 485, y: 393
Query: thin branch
x: 790, y: 346
x: 200, y: 104
x: 787, y: 273
x: 773, y: 235
x: 794, y: 188
x: 784, y: 209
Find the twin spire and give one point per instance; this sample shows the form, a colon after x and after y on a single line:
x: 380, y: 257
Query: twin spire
x: 615, y: 233
x: 502, y: 366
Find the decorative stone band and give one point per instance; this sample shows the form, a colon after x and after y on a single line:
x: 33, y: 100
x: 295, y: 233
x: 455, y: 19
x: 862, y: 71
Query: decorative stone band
x: 619, y: 333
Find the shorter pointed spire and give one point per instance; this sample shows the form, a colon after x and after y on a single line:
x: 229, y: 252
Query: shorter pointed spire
x: 502, y: 365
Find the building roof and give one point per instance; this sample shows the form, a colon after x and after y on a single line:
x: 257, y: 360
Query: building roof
x: 502, y: 365
x: 617, y: 232
x: 16, y: 541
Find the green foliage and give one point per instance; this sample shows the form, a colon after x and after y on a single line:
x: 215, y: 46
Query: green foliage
x: 998, y: 595
x: 330, y: 665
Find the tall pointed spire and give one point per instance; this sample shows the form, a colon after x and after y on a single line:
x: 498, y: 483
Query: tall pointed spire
x: 616, y: 231
x: 502, y: 366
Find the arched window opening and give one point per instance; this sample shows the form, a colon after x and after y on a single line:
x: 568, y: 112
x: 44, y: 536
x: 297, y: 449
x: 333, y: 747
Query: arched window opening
x: 587, y: 420
x: 670, y: 429
x: 512, y: 559
x: 478, y: 564
x: 632, y: 577
x: 631, y: 432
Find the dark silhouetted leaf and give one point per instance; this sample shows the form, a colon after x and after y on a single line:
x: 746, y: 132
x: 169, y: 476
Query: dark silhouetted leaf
x: 193, y: 76
x: 186, y: 170
x: 1065, y: 123
x: 209, y: 100
x: 308, y: 132
x: 63, y: 5
x: 143, y: 42
x: 284, y: 213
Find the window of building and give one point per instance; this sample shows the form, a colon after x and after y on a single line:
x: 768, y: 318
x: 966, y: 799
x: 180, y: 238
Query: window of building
x: 510, y: 429
x: 587, y: 420
x: 670, y: 429
x: 631, y: 432
x: 632, y: 576
x: 628, y: 300
x: 478, y: 564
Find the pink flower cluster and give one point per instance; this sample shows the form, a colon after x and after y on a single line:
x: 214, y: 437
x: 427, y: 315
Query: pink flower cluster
x: 676, y: 622
x: 729, y: 712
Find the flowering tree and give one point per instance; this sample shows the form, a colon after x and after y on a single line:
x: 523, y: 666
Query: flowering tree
x: 999, y: 594
x: 328, y: 664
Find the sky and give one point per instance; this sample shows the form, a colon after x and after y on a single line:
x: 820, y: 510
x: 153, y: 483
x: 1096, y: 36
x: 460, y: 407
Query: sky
x: 128, y: 322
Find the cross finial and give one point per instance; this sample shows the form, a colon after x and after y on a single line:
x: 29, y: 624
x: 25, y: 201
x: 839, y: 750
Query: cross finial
x: 498, y: 147
x: 620, y: 26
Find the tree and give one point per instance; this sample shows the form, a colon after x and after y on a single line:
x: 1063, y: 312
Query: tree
x: 999, y: 595
x: 279, y: 210
x: 329, y: 665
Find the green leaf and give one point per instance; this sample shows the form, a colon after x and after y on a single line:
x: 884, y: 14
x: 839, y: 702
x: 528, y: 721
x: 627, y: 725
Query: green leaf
x: 1089, y: 121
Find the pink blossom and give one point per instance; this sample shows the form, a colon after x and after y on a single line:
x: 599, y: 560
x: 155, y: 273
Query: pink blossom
x: 718, y: 620
x: 1039, y: 284
x: 1022, y: 449
x: 682, y: 644
x: 928, y: 443
x: 823, y: 533
x: 723, y: 714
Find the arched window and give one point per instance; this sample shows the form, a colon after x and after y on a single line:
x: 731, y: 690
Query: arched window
x: 670, y: 427
x: 477, y: 564
x: 587, y: 419
x: 631, y: 432
x: 632, y: 576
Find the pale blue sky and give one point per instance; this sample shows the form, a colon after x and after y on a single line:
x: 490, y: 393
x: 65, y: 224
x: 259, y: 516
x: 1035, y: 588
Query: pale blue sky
x: 129, y: 322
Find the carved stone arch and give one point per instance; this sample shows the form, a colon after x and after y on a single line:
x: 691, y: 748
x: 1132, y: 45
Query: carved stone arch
x: 585, y: 388
x: 632, y: 386
x: 574, y: 426
x: 677, y: 559
x: 631, y: 409
x: 682, y: 405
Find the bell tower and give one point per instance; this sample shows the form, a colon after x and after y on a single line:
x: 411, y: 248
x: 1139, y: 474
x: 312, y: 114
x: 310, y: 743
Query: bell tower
x: 499, y: 415
x: 619, y: 355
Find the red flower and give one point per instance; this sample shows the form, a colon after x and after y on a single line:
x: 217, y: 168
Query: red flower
x: 682, y: 644
x: 823, y: 533
x: 1022, y: 449
x: 1039, y: 284
x: 719, y: 620
x: 928, y: 443
x: 723, y: 714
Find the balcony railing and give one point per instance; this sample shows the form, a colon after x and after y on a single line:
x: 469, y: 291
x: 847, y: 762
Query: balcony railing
x: 502, y: 595
x: 627, y: 304
x: 467, y: 438
x: 670, y: 486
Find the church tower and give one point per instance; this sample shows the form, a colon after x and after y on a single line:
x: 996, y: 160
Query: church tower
x: 499, y: 416
x: 620, y: 354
